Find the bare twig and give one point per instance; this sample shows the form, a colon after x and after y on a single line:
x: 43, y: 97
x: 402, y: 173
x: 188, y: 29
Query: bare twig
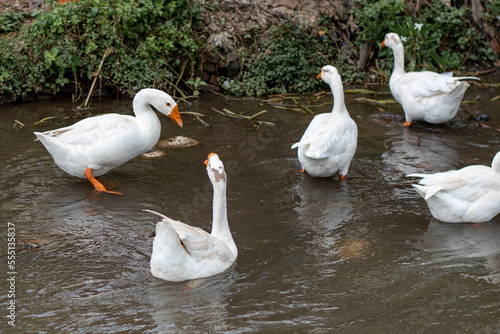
x: 203, y: 123
x: 44, y: 119
x: 97, y: 75
x: 18, y: 125
x: 229, y: 113
x: 177, y: 89
x: 418, y: 140
x: 376, y: 102
x: 488, y: 127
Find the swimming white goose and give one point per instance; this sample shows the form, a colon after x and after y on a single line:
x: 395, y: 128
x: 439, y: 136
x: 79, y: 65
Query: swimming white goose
x: 182, y: 252
x: 471, y: 194
x: 94, y: 145
x: 329, y: 142
x: 426, y: 95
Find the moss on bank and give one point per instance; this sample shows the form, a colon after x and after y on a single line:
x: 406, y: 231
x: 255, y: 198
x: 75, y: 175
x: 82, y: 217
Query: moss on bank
x: 182, y: 46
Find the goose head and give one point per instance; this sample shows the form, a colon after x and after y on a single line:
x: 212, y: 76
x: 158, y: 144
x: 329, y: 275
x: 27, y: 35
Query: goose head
x: 391, y: 40
x: 162, y: 102
x: 329, y: 74
x: 215, y: 169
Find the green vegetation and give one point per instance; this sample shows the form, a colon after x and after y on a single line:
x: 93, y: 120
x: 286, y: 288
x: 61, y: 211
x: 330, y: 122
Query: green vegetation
x: 288, y: 61
x: 131, y: 44
x: 11, y: 21
x: 128, y: 44
x: 438, y: 37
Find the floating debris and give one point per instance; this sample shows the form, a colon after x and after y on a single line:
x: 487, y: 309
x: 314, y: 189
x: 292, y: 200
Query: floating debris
x: 305, y: 109
x: 487, y: 126
x: 359, y: 91
x: 153, y: 154
x: 482, y: 118
x: 18, y: 125
x: 44, y: 119
x: 376, y: 102
x: 229, y: 113
x: 265, y: 123
x: 178, y: 141
x: 203, y: 123
x: 30, y: 246
x: 192, y: 113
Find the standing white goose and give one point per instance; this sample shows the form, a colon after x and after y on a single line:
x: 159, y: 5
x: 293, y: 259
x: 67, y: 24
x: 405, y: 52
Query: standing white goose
x: 329, y: 142
x: 468, y: 195
x: 425, y: 95
x: 94, y: 145
x: 182, y: 252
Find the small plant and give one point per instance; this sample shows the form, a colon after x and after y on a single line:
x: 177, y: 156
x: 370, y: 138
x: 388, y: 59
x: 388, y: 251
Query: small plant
x: 195, y: 85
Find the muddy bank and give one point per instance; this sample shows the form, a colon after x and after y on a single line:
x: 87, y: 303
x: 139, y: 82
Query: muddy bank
x: 228, y: 25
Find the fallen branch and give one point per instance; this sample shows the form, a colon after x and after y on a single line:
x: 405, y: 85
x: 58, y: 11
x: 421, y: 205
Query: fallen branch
x: 488, y: 127
x: 229, y: 113
x: 193, y: 113
x: 376, y: 102
x: 305, y: 109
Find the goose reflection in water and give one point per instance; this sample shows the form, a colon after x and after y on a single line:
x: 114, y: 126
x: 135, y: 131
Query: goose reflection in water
x: 177, y: 305
x: 464, y: 245
x: 324, y: 208
x: 410, y: 151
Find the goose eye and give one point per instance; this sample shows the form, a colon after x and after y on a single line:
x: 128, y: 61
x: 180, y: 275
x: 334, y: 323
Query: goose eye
x: 168, y: 104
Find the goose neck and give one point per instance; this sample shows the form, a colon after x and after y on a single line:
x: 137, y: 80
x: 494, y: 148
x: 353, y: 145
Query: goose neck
x: 399, y: 59
x: 145, y: 114
x: 141, y: 103
x: 338, y: 96
x: 220, y: 225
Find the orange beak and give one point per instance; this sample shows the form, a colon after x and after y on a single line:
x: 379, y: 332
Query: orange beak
x: 319, y: 75
x: 176, y: 116
x: 208, y: 158
x: 382, y: 45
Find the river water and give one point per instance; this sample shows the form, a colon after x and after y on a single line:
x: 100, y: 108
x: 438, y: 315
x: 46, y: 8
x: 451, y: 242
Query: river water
x: 315, y: 255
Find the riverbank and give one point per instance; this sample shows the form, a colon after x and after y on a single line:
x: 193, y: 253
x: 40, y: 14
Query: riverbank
x: 246, y: 48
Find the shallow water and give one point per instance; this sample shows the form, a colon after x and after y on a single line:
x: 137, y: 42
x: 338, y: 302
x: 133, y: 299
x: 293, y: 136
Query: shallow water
x: 315, y: 255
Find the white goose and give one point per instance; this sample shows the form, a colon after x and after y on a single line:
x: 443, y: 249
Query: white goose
x: 426, y: 95
x: 94, y: 145
x: 471, y: 194
x: 182, y: 252
x: 329, y: 142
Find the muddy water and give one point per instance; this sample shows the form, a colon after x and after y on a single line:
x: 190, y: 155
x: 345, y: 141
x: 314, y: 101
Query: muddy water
x: 316, y: 255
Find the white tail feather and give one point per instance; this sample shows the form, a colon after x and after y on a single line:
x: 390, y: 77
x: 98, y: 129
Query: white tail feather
x: 157, y: 213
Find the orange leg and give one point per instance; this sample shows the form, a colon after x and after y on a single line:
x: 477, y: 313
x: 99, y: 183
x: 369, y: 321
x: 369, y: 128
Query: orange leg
x: 342, y: 177
x: 98, y: 185
x: 302, y: 170
x: 406, y: 123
